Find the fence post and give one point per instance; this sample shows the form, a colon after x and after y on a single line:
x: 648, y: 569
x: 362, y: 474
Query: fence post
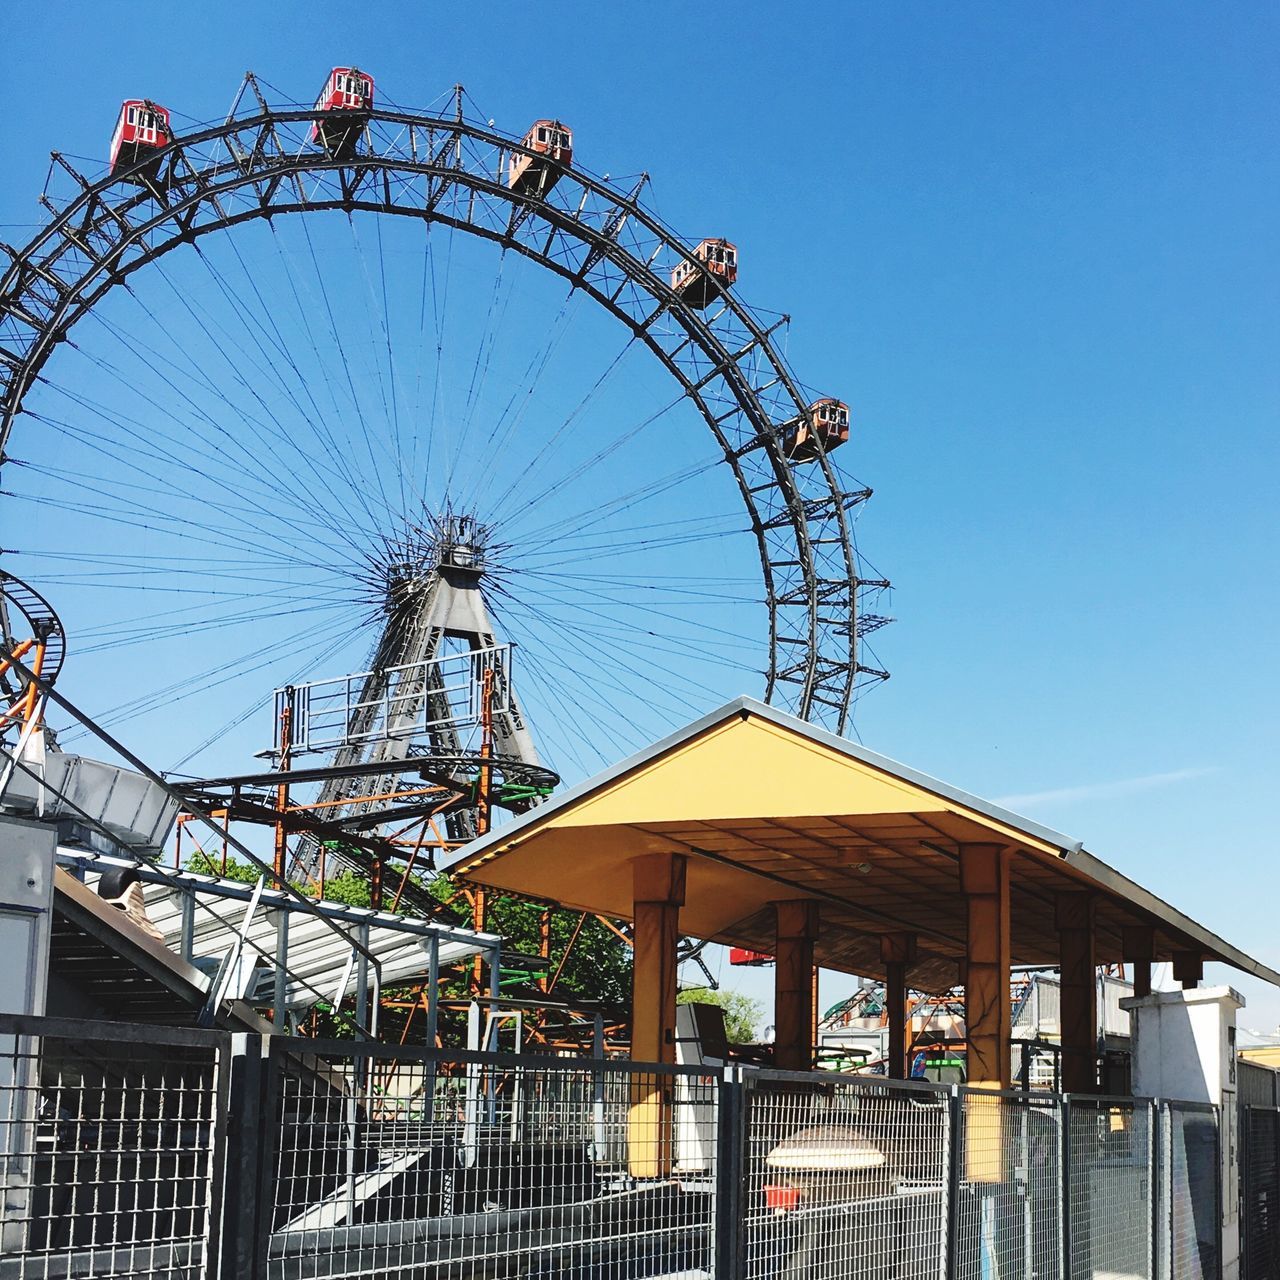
x: 955, y: 1123
x: 242, y: 1089
x: 1152, y: 1184
x: 729, y: 1215
x: 1064, y: 1195
x: 1160, y: 1234
x: 1246, y: 1125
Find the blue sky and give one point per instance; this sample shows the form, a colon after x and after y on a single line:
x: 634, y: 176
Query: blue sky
x: 1033, y: 250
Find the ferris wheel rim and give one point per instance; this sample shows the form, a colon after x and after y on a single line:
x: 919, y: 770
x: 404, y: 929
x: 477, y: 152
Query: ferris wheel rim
x: 826, y: 676
x: 40, y: 617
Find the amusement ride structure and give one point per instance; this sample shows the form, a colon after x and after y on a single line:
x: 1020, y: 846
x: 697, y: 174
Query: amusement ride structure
x: 219, y: 472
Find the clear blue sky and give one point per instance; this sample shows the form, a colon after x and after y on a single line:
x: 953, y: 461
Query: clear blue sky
x: 1035, y: 251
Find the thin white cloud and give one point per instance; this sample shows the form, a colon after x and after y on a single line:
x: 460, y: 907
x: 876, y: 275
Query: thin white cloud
x: 1104, y: 790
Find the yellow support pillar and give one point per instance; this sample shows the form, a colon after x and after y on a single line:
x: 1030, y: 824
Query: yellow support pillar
x: 658, y: 888
x: 984, y: 877
x: 793, y: 1032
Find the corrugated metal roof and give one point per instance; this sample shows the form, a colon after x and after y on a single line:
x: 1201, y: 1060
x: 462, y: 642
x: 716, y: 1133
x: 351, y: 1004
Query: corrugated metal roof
x: 317, y: 959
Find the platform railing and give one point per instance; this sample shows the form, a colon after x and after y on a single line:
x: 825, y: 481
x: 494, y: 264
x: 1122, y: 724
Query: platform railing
x: 146, y: 1151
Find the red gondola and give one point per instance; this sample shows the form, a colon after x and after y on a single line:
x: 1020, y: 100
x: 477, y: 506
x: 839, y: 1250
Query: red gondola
x: 142, y: 132
x: 346, y: 101
x: 531, y: 175
x: 740, y: 955
x: 827, y: 421
x: 700, y: 287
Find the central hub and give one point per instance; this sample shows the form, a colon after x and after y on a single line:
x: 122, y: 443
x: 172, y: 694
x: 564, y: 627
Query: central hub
x: 452, y: 547
x: 460, y: 543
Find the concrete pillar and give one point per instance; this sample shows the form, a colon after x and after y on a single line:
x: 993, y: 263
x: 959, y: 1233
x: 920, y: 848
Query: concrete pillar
x: 984, y: 878
x: 797, y: 928
x: 1184, y: 1048
x: 27, y: 858
x: 1078, y: 969
x: 1138, y: 943
x: 897, y: 950
x: 658, y: 895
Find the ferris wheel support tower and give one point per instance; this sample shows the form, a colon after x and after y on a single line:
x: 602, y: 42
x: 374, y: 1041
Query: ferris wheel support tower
x: 407, y: 705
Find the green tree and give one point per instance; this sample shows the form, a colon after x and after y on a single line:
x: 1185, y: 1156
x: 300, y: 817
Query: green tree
x: 597, y: 968
x: 742, y: 1014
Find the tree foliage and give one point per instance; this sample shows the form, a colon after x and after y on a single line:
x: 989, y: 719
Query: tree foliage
x: 742, y: 1014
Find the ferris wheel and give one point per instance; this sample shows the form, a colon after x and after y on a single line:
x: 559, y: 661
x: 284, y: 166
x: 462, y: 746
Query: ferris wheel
x: 251, y: 369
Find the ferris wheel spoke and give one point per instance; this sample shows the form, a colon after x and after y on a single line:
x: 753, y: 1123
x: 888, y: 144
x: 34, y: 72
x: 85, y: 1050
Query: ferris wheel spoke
x: 710, y: 647
x: 281, y: 534
x: 523, y: 395
x: 622, y: 619
x: 576, y: 473
x: 547, y: 450
x: 184, y: 527
x: 262, y: 702
x: 399, y: 395
x: 592, y: 700
x: 142, y: 507
x: 263, y: 333
x: 574, y: 550
x: 356, y: 405
x: 549, y: 724
x: 340, y: 459
x: 256, y: 659
x: 668, y: 586
x: 223, y: 465
x: 613, y: 681
x: 600, y: 509
x: 272, y: 425
x: 426, y: 290
x: 489, y: 331
x: 135, y: 564
x: 201, y: 420
x: 711, y: 525
x: 610, y: 620
x: 436, y: 415
x: 192, y: 623
x: 377, y: 325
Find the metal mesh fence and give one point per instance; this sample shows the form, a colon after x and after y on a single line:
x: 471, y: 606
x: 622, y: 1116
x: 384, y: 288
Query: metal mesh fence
x: 107, y: 1147
x: 1189, y: 1211
x: 844, y: 1177
x: 479, y: 1165
x: 1008, y: 1195
x: 354, y: 1160
x: 1110, y: 1179
x: 1261, y: 1194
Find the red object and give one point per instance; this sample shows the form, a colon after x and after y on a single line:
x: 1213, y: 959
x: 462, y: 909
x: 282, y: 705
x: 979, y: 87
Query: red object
x: 827, y: 421
x: 530, y: 175
x: 141, y: 132
x: 714, y: 267
x: 781, y: 1199
x: 345, y: 100
x: 740, y: 955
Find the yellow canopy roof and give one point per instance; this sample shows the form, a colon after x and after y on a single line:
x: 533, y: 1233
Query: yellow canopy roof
x: 769, y: 808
